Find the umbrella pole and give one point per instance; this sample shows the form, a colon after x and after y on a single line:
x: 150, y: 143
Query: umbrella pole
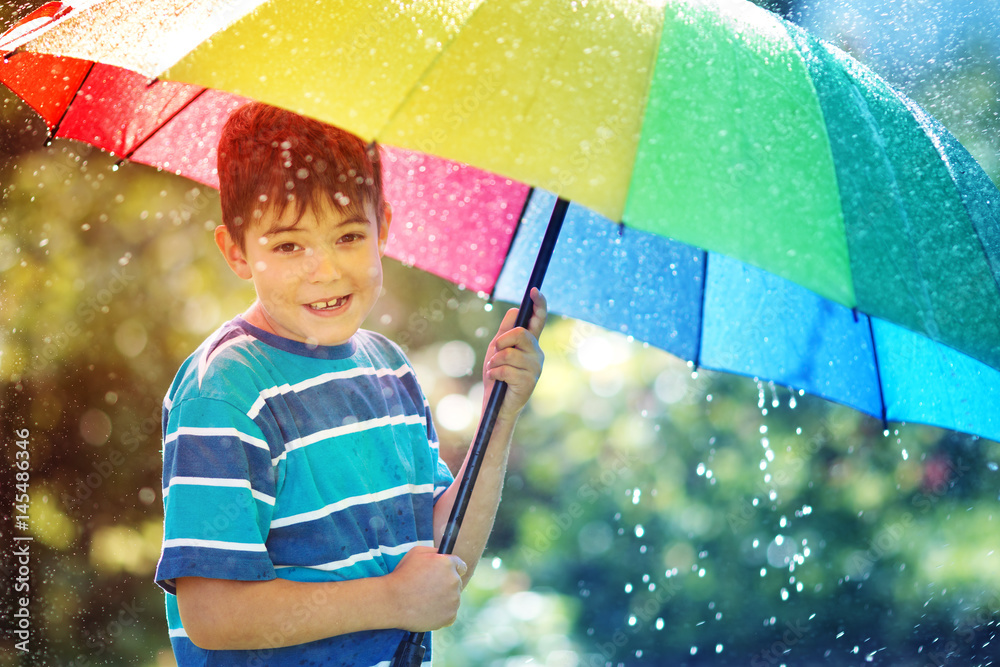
x: 411, y: 651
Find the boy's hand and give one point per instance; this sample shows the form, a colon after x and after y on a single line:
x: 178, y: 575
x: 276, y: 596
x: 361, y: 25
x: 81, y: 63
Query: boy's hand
x: 428, y: 589
x: 515, y: 357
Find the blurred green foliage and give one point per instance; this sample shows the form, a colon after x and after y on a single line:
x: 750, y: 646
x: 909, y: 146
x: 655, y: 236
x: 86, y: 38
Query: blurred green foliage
x: 653, y: 515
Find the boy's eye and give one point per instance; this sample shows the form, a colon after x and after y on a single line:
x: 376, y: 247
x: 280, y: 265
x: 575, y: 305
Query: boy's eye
x: 351, y: 238
x: 286, y: 247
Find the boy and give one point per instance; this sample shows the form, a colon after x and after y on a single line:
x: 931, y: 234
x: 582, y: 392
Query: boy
x: 303, y: 492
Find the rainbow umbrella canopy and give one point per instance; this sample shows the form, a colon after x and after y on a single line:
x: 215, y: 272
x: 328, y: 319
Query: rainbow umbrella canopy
x: 788, y: 215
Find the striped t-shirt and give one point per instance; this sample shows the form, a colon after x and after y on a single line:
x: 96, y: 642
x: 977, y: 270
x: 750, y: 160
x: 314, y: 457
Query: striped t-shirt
x: 310, y: 463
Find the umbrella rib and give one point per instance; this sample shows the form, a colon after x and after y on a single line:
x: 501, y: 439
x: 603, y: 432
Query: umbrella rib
x: 513, y: 239
x: 423, y: 75
x: 161, y: 125
x: 701, y: 315
x: 878, y: 374
x: 55, y: 128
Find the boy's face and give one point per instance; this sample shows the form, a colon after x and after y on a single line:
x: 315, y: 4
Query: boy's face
x: 317, y: 277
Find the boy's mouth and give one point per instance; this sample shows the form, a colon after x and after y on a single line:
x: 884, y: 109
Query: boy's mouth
x: 332, y: 304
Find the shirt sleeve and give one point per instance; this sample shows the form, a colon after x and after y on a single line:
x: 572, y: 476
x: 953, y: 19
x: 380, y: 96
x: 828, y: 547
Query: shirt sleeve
x: 218, y: 495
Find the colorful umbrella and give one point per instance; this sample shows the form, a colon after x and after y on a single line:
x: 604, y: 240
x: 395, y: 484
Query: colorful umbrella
x: 740, y: 134
x: 713, y: 123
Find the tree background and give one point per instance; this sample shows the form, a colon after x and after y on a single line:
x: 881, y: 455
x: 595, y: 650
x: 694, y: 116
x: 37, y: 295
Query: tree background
x: 653, y: 514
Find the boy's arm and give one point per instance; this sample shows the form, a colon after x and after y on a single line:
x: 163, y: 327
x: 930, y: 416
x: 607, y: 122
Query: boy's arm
x: 515, y: 358
x: 421, y: 594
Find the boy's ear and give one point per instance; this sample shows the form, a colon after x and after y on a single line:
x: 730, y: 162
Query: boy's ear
x: 383, y: 232
x: 232, y: 252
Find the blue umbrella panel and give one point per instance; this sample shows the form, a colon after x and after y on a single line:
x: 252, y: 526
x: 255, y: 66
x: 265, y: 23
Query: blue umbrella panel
x: 722, y: 314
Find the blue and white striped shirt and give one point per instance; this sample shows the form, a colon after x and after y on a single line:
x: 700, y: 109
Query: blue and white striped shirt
x: 309, y: 463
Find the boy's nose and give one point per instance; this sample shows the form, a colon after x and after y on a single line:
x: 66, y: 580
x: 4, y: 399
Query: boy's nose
x: 321, y: 265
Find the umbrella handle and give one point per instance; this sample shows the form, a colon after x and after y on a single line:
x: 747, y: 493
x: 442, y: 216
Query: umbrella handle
x: 411, y: 651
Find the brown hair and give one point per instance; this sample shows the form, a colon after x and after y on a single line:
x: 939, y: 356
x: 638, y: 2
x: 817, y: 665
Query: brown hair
x: 270, y: 158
